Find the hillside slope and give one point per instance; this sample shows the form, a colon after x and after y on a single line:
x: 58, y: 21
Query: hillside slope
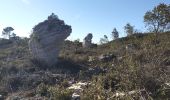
x: 137, y: 63
x: 132, y: 67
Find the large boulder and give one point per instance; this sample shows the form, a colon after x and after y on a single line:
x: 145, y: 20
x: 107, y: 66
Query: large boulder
x: 87, y: 42
x: 47, y: 39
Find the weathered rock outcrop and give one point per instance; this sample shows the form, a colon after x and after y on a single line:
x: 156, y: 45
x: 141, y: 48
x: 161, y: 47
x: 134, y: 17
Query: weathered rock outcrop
x: 87, y: 42
x: 47, y: 39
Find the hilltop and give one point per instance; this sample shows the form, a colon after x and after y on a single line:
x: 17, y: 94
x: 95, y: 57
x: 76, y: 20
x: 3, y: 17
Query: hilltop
x: 135, y: 67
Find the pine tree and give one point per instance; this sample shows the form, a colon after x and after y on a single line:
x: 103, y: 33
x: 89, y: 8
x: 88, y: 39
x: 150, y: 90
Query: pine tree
x: 115, y: 34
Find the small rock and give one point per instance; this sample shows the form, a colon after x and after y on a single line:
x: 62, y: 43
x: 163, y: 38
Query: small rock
x: 1, y: 97
x: 106, y: 57
x: 168, y: 84
x: 75, y: 96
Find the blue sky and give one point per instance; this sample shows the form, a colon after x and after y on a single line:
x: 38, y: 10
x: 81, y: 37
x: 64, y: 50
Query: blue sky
x: 85, y: 16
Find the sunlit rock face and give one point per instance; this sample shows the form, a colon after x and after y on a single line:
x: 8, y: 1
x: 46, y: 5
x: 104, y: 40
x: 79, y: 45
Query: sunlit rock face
x: 47, y: 39
x: 87, y: 42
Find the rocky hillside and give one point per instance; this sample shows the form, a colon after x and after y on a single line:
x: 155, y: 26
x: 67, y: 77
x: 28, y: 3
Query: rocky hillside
x: 134, y: 67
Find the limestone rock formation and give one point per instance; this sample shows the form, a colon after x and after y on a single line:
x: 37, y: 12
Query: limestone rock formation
x: 87, y: 42
x: 47, y: 39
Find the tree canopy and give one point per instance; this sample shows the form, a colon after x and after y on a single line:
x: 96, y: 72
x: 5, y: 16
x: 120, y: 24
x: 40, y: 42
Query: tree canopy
x: 129, y: 29
x: 8, y: 32
x: 115, y: 34
x: 104, y: 39
x: 158, y: 19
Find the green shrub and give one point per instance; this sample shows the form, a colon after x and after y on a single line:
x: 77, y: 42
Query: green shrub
x: 42, y: 89
x: 58, y: 93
